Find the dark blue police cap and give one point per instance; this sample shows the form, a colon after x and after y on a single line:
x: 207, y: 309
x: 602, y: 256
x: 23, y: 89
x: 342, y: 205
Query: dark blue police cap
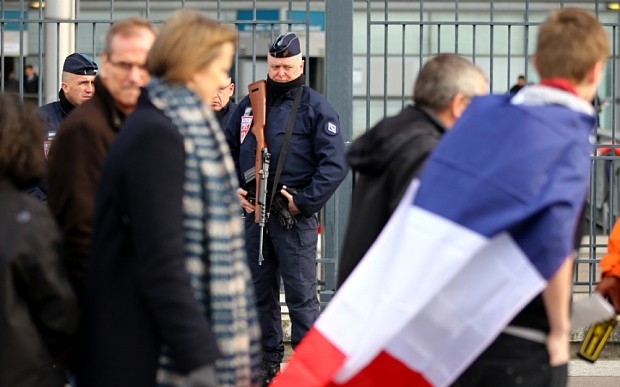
x: 80, y: 64
x: 285, y: 46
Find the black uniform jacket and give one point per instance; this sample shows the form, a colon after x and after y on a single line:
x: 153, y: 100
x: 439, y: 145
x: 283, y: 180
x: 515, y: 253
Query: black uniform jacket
x: 38, y: 309
x: 385, y: 160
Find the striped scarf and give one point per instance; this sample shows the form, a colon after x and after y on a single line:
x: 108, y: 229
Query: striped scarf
x: 213, y: 232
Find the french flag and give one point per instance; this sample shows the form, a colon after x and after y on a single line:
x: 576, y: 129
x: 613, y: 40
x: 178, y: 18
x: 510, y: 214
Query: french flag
x: 472, y: 242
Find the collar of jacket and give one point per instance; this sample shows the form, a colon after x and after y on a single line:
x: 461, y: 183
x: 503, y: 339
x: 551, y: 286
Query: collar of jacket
x: 65, y: 105
x: 433, y: 117
x: 541, y: 95
x: 102, y: 94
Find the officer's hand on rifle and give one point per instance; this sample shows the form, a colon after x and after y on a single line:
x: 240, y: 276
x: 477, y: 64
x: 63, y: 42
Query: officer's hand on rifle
x: 609, y: 287
x: 292, y: 208
x: 247, y: 206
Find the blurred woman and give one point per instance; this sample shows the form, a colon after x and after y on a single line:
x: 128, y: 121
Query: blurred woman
x: 38, y: 309
x: 168, y: 267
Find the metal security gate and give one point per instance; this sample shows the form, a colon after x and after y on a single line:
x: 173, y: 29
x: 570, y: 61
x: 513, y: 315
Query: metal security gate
x: 41, y: 34
x: 363, y: 55
x: 499, y: 36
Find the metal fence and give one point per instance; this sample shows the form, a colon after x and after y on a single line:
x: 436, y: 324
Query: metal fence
x: 362, y: 54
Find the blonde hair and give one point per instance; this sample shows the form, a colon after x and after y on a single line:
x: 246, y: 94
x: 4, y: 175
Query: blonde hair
x: 570, y: 42
x: 186, y: 43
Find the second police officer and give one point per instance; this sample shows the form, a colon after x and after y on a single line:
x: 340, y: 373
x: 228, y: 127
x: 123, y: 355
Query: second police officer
x: 314, y: 166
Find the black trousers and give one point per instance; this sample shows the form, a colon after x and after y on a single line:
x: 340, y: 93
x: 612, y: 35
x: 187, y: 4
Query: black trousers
x: 513, y: 362
x: 291, y: 255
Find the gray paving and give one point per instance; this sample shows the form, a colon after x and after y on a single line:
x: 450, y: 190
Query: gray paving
x: 594, y: 381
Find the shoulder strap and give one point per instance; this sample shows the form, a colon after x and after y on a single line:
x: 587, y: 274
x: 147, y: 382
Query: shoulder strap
x: 287, y: 139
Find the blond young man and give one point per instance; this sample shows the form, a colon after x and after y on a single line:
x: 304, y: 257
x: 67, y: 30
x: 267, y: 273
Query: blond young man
x: 533, y: 350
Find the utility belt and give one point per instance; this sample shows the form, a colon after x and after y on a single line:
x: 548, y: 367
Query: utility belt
x: 279, y: 205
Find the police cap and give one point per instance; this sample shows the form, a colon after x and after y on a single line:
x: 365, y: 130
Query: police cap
x: 80, y: 64
x: 285, y: 46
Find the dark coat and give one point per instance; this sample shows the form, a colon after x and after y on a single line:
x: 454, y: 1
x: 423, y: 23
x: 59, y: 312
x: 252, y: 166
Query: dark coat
x: 315, y: 162
x: 54, y: 113
x: 385, y: 159
x: 223, y: 116
x: 74, y: 164
x: 38, y: 309
x: 138, y: 294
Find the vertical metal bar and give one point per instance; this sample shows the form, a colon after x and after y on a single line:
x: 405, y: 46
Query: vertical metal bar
x: 438, y: 38
x: 402, y: 74
x: 290, y: 12
x: 111, y: 9
x: 385, y: 61
x: 613, y: 89
x: 76, y: 16
x: 148, y: 8
x: 339, y: 88
x: 421, y: 33
x: 2, y: 71
x: 219, y: 9
x: 492, y: 33
x: 57, y: 56
x: 456, y: 27
x: 254, y: 40
x: 308, y: 67
x: 21, y: 49
x: 527, y: 39
x: 40, y: 54
x: 94, y: 43
x: 509, y: 42
x: 368, y: 27
x: 473, y: 44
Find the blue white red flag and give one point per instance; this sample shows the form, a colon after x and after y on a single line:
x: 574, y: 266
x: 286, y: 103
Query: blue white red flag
x: 473, y: 241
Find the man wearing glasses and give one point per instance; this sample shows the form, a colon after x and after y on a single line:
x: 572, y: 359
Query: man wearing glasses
x: 222, y: 105
x: 83, y: 140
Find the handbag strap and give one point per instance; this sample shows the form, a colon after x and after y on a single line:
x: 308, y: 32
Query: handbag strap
x: 285, y: 143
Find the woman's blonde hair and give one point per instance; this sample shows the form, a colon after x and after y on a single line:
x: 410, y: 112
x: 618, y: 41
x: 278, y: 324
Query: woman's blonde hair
x: 185, y: 44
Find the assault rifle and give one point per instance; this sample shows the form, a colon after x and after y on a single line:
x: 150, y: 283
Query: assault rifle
x: 258, y: 100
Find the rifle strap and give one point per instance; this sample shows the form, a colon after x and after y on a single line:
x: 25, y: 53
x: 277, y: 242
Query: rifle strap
x: 287, y: 139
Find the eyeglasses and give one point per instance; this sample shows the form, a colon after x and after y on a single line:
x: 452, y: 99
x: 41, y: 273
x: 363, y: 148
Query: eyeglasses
x: 127, y: 67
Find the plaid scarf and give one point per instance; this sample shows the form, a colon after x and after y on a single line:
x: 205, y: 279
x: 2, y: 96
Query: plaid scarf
x: 213, y: 231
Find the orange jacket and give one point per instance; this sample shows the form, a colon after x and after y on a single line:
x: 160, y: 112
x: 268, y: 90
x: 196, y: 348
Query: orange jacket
x: 610, y: 264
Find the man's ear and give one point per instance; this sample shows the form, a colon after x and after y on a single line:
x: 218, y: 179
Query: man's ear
x: 457, y: 105
x: 65, y: 87
x: 232, y: 89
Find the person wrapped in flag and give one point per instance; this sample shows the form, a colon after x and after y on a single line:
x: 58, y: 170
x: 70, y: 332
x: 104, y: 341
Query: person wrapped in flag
x: 486, y: 228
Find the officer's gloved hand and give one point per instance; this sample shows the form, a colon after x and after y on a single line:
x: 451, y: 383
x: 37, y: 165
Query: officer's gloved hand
x: 204, y: 376
x: 280, y: 207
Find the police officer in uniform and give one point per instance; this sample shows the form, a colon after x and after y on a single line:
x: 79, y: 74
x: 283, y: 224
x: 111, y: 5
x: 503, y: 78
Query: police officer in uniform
x: 78, y: 86
x: 314, y: 167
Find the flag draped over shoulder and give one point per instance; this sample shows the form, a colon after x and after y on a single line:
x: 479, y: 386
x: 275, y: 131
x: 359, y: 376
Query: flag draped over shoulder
x: 490, y: 220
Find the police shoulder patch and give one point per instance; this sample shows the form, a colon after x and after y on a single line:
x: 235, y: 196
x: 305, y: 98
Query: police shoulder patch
x: 331, y: 128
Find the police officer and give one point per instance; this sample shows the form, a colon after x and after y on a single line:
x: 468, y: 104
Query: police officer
x: 222, y: 105
x: 78, y: 77
x: 315, y: 166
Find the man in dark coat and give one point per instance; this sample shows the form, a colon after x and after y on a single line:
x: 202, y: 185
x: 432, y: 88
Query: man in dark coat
x: 222, y: 105
x: 83, y: 140
x: 390, y: 155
